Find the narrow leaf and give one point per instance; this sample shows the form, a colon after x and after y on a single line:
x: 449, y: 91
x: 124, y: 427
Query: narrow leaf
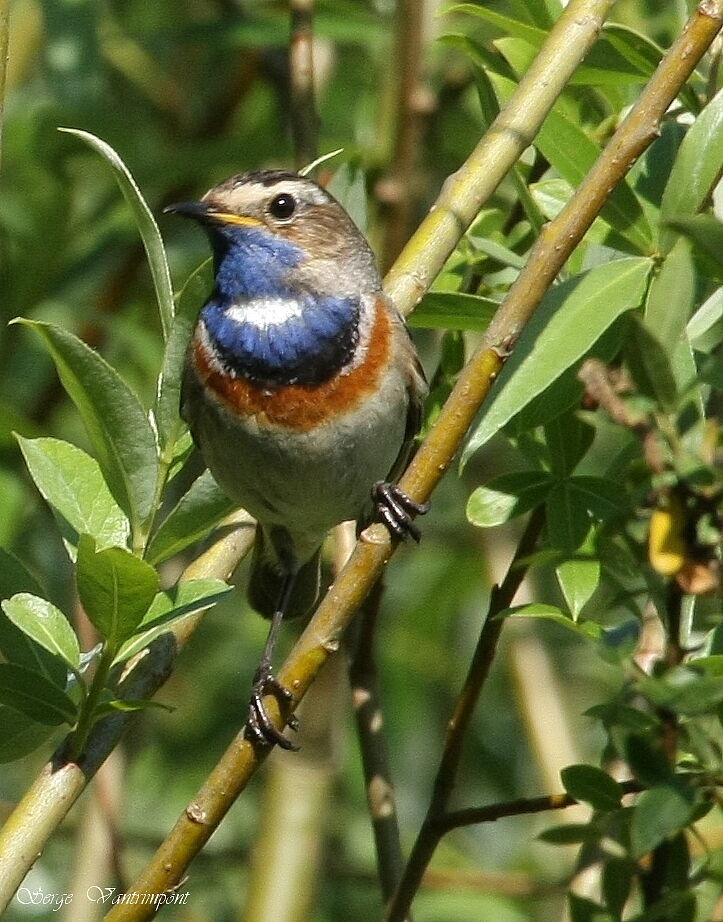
x: 452, y: 310
x: 578, y: 581
x: 146, y: 223
x: 183, y: 599
x: 197, y: 512
x: 192, y: 297
x: 695, y: 171
x: 570, y: 319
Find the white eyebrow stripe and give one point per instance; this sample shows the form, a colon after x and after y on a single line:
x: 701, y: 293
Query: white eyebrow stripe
x: 266, y: 312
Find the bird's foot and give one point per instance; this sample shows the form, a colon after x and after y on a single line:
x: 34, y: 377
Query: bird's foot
x: 396, y: 509
x: 259, y: 726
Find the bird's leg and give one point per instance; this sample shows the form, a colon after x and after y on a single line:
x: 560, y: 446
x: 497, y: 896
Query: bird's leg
x: 259, y: 725
x: 396, y: 509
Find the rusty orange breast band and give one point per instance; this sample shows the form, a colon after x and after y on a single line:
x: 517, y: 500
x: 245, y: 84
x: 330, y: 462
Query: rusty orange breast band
x: 300, y: 407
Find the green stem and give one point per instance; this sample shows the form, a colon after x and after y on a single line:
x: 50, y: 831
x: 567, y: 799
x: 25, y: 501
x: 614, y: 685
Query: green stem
x: 88, y: 708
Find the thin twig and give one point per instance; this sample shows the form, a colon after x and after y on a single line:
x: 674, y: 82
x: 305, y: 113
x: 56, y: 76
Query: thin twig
x: 433, y: 827
x: 366, y: 699
x: 396, y: 190
x: 304, y: 119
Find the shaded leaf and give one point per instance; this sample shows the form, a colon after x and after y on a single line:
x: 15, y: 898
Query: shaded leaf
x: 452, y: 310
x: 568, y: 521
x: 20, y: 735
x: 659, y: 813
x: 650, y: 366
x: 592, y: 786
x: 34, y: 695
x: 196, y: 513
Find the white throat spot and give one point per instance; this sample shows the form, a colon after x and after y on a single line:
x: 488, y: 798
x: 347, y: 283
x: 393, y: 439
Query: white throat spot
x: 265, y: 312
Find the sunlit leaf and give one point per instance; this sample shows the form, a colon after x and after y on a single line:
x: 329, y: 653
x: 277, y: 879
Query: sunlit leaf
x: 570, y: 319
x: 45, y: 624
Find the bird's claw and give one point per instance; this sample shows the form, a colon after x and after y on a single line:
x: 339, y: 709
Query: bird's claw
x: 395, y: 509
x: 259, y: 726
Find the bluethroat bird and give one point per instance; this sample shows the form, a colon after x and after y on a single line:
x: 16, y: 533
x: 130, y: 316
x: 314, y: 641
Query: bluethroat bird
x: 302, y: 388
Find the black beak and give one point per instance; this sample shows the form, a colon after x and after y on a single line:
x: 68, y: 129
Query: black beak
x: 199, y: 211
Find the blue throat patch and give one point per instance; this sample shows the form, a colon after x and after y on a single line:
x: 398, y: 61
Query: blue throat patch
x: 307, y: 348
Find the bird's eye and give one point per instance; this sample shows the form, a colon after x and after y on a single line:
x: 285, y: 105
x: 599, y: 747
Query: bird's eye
x: 282, y: 206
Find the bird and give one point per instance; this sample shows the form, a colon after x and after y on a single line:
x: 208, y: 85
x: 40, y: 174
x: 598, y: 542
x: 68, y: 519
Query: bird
x: 301, y: 388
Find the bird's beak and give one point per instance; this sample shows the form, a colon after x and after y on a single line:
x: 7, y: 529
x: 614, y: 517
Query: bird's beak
x: 210, y: 213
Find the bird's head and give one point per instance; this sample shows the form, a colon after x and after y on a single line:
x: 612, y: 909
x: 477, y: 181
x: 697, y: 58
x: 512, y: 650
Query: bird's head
x: 272, y: 229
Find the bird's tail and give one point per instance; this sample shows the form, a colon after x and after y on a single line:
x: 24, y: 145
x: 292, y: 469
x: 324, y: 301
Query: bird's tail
x: 268, y: 577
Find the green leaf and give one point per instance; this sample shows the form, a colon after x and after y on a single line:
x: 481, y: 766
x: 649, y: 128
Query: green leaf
x: 45, y: 624
x: 196, y: 513
x: 147, y: 227
x: 675, y: 906
x: 453, y: 310
x: 14, y: 577
x: 15, y: 645
x: 573, y: 153
x: 183, y: 599
x: 571, y: 318
x: 584, y: 910
x: 168, y: 393
x: 578, y: 581
x: 650, y: 366
x: 660, y: 812
x: 115, y: 588
x: 604, y: 499
x: 72, y: 483
x: 568, y: 439
x: 506, y: 24
x: 592, y: 786
x: 706, y: 232
x: 117, y: 425
x: 568, y: 521
x: 647, y: 760
x: 507, y: 496
x: 34, y: 695
x: 587, y: 629
x: 705, y: 327
x: 21, y: 735
x: 348, y: 186
x: 668, y: 307
x: 570, y: 834
x: 617, y: 879
x: 695, y: 171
